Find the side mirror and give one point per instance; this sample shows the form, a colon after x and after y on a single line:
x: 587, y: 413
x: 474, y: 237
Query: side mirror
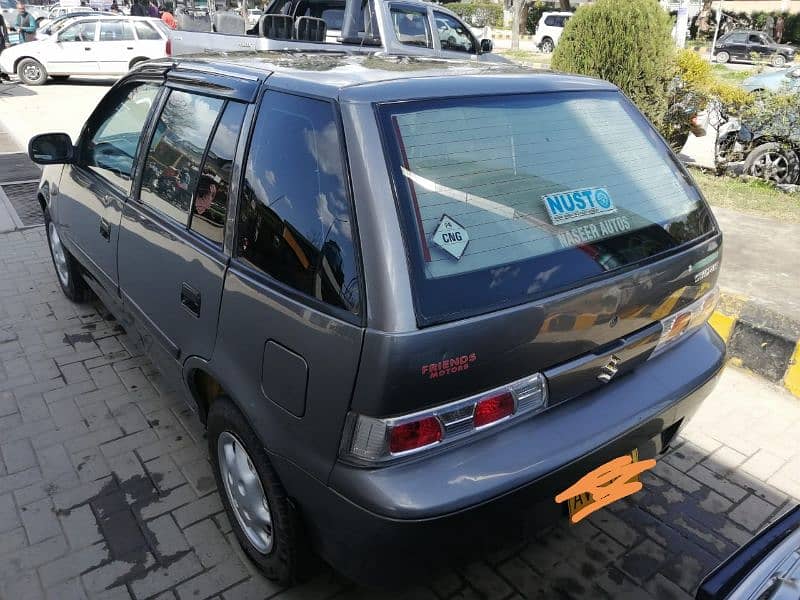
x: 486, y: 45
x: 51, y: 149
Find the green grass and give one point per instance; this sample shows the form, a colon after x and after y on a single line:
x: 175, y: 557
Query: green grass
x: 748, y: 196
x: 526, y: 57
x: 723, y: 73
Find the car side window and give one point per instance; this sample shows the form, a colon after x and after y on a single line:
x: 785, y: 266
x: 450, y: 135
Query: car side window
x: 294, y: 217
x: 79, y: 32
x: 210, y: 206
x: 172, y: 166
x: 145, y: 31
x: 109, y: 144
x: 411, y: 26
x: 115, y: 31
x: 453, y: 35
x: 551, y: 21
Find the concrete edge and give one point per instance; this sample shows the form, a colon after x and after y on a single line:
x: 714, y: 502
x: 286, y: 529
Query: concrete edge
x: 760, y: 340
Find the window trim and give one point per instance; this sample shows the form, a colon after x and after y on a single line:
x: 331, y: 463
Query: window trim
x: 262, y: 278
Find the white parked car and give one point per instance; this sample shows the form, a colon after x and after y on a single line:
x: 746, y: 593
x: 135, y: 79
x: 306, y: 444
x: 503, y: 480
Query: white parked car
x: 548, y: 32
x: 88, y: 46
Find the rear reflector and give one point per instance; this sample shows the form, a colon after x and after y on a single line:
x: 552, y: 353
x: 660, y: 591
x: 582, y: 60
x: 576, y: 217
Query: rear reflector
x: 372, y: 440
x: 414, y: 435
x: 686, y: 320
x: 493, y: 409
x: 169, y: 47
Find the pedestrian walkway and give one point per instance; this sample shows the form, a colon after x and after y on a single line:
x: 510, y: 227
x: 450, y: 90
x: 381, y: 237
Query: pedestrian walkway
x: 19, y: 180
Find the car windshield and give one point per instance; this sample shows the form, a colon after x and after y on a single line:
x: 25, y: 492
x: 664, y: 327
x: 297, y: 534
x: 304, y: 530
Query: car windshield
x: 504, y: 199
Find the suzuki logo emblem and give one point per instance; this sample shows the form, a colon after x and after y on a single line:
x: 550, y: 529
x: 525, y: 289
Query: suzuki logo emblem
x: 610, y: 369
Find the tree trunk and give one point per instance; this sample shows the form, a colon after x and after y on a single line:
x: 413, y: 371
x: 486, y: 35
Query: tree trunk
x: 515, y: 23
x: 564, y: 4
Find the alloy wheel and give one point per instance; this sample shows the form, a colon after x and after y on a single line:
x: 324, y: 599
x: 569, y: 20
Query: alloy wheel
x: 771, y: 166
x: 59, y: 257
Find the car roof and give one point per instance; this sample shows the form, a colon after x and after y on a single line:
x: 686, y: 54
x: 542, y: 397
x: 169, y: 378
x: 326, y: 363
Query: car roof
x: 377, y: 77
x: 561, y: 13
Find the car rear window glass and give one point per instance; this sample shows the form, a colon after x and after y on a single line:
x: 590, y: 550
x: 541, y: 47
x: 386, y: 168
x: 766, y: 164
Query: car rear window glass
x: 504, y: 199
x: 115, y: 31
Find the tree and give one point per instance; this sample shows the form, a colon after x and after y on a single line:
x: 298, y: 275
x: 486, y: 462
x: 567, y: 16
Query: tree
x: 516, y: 22
x: 627, y: 43
x: 564, y: 4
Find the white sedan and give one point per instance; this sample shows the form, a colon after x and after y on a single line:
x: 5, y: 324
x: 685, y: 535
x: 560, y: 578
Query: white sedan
x: 88, y: 46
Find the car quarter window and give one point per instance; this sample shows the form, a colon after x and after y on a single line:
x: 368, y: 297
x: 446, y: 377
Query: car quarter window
x: 115, y: 31
x: 210, y: 206
x: 108, y: 146
x: 453, y: 35
x: 145, y: 31
x: 172, y: 166
x: 83, y: 31
x: 294, y: 221
x: 411, y: 26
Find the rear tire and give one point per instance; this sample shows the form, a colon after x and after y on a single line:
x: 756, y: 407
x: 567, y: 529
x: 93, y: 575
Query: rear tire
x: 31, y: 72
x: 723, y: 57
x: 68, y: 271
x: 772, y: 162
x: 547, y: 45
x: 279, y: 548
x: 778, y: 60
x: 135, y: 62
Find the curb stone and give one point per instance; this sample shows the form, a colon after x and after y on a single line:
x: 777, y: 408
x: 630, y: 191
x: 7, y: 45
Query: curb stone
x: 760, y: 340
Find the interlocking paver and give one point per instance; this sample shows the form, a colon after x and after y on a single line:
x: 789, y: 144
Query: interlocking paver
x: 18, y: 455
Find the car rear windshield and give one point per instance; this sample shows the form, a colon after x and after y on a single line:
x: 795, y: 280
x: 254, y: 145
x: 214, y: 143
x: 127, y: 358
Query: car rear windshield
x: 504, y: 199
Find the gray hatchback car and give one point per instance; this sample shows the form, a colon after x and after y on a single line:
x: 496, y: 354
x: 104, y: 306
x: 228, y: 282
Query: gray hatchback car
x: 414, y: 302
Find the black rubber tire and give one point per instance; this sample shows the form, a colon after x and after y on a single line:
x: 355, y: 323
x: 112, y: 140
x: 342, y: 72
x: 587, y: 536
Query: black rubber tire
x: 548, y: 46
x: 75, y: 288
x: 722, y: 57
x: 135, y: 62
x: 290, y: 560
x: 790, y: 156
x: 27, y: 62
x: 779, y: 60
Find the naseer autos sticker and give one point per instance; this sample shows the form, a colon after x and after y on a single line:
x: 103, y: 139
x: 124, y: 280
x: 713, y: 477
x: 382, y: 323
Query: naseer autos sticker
x: 574, y: 205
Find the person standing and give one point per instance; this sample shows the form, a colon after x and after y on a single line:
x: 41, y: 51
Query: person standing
x: 152, y: 9
x: 137, y: 10
x: 769, y: 27
x: 3, y: 33
x: 779, y: 25
x: 24, y: 23
x: 167, y: 17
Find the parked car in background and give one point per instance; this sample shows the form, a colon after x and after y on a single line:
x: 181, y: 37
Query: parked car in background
x: 253, y: 15
x: 508, y: 317
x: 49, y: 27
x: 751, y: 44
x: 765, y: 568
x: 548, y: 31
x: 88, y: 46
x: 780, y: 80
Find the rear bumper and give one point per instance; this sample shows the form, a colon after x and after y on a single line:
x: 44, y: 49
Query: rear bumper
x: 369, y: 522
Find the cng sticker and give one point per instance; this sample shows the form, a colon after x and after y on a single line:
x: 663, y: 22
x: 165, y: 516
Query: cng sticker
x: 451, y: 237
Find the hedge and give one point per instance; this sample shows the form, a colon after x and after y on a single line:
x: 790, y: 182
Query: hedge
x: 479, y: 14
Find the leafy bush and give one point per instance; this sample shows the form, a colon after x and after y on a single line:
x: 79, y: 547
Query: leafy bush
x: 697, y: 75
x: 479, y: 14
x: 627, y: 43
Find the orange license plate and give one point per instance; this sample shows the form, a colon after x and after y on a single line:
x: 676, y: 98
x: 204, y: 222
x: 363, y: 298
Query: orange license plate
x: 605, y: 485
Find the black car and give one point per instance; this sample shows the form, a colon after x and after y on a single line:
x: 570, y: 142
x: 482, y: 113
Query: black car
x: 415, y: 302
x: 750, y: 44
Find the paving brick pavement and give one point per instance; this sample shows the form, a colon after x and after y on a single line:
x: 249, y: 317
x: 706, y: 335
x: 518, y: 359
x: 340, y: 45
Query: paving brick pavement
x: 106, y: 490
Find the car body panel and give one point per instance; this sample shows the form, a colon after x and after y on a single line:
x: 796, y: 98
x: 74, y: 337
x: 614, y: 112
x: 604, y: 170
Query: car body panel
x: 779, y: 80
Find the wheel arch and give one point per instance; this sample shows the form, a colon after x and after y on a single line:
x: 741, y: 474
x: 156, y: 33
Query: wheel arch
x: 21, y: 58
x: 203, y: 385
x: 136, y: 61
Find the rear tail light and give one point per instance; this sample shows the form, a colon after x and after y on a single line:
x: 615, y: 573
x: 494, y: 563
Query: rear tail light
x: 379, y: 440
x: 169, y: 47
x: 686, y: 320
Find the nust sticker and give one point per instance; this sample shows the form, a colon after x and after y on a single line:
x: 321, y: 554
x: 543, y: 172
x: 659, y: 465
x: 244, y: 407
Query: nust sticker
x: 574, y: 205
x: 451, y: 237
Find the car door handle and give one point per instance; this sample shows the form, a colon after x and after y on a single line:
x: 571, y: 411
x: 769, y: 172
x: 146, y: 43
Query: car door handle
x: 130, y: 47
x: 190, y: 299
x: 105, y: 229
x: 87, y: 48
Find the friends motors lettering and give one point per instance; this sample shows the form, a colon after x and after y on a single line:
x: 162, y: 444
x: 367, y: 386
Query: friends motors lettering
x: 591, y: 232
x: 449, y: 366
x: 574, y: 205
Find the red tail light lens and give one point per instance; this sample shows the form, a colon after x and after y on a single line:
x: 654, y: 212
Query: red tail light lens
x: 410, y: 436
x: 169, y: 47
x: 493, y: 409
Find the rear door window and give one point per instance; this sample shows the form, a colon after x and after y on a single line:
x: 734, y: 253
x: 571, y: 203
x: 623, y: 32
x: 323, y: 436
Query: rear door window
x: 411, y: 26
x: 115, y: 31
x: 172, y: 166
x: 504, y: 199
x: 145, y: 31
